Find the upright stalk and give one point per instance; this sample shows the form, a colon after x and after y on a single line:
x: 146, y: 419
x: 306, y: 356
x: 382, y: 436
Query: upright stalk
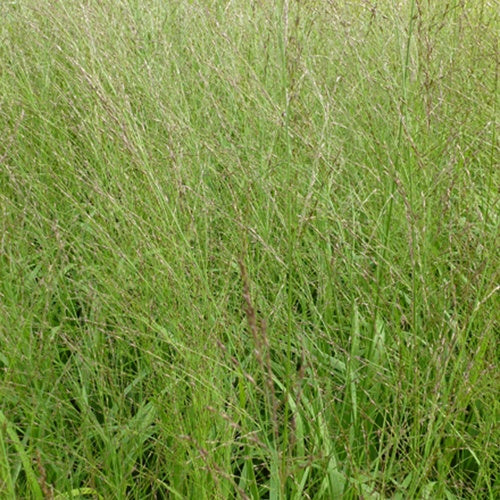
x: 397, y: 163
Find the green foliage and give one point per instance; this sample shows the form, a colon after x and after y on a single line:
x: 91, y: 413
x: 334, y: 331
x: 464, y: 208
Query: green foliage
x: 248, y: 249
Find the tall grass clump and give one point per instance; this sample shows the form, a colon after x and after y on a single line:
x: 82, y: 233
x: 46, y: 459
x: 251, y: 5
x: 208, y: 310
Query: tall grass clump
x: 249, y: 249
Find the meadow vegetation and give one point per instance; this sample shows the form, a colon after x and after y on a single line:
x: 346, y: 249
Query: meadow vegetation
x: 249, y: 249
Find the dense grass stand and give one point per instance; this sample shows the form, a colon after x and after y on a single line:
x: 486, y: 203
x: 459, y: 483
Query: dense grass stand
x: 248, y: 249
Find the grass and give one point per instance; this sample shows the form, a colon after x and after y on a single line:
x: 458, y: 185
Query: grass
x: 249, y: 249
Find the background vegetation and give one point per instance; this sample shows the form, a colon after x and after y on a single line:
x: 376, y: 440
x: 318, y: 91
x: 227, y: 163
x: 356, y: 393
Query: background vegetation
x: 248, y: 249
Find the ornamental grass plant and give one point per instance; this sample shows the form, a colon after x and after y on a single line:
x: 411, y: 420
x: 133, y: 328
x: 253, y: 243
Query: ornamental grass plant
x: 249, y: 249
